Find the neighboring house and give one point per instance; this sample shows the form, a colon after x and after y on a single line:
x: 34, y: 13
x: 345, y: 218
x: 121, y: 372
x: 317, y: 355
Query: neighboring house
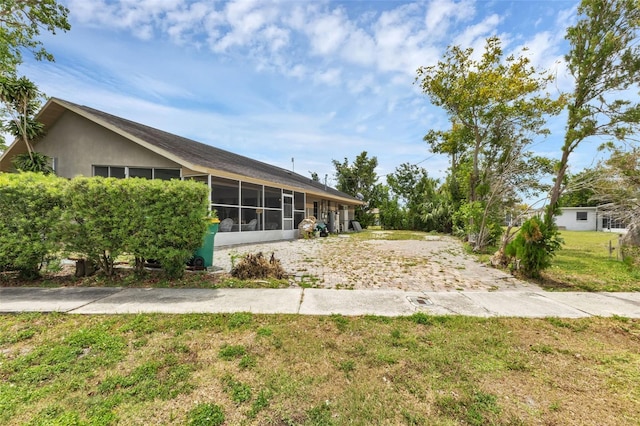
x: 588, y: 219
x: 255, y: 201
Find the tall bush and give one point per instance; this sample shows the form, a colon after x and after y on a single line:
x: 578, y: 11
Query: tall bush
x: 30, y: 210
x: 171, y: 225
x: 150, y: 219
x: 99, y: 219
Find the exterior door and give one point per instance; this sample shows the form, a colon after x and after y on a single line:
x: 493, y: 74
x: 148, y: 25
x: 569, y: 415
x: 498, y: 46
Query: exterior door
x: 287, y: 212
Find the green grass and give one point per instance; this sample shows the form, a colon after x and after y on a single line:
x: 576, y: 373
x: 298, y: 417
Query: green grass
x: 301, y: 370
x: 584, y: 264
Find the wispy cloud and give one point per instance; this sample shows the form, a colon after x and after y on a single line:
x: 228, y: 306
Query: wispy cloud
x: 275, y: 79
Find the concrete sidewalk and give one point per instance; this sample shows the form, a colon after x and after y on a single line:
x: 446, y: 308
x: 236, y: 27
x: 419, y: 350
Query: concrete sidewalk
x: 527, y: 304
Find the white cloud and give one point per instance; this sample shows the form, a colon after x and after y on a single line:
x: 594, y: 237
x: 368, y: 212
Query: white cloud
x: 440, y: 13
x: 331, y: 77
x: 327, y: 32
x: 474, y: 35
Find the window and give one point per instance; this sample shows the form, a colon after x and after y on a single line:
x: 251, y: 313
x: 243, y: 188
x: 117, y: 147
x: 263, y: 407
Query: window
x: 109, y: 171
x: 272, y: 197
x: 251, y: 195
x: 298, y: 201
x: 229, y: 218
x: 581, y: 216
x: 117, y: 172
x: 166, y: 174
x: 140, y: 172
x: 272, y: 219
x: 609, y: 222
x: 101, y: 171
x: 225, y: 191
x: 251, y: 220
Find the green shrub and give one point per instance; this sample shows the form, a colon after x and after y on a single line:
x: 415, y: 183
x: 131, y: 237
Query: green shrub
x: 171, y: 224
x: 206, y: 415
x: 100, y: 218
x: 534, y: 246
x: 30, y: 210
x: 151, y: 219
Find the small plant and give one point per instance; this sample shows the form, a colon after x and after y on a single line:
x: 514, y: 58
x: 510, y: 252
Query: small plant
x: 247, y: 361
x: 229, y: 352
x: 347, y: 366
x: 340, y: 321
x: 239, y: 392
x: 240, y: 319
x: 264, y: 331
x: 534, y: 246
x: 205, y: 414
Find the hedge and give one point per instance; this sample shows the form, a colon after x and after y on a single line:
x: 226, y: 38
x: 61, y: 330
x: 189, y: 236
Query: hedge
x: 99, y: 219
x: 30, y: 210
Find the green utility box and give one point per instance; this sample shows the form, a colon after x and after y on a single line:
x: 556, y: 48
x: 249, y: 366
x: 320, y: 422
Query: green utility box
x: 203, y: 257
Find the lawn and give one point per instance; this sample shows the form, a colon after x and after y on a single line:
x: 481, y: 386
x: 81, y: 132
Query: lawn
x: 584, y: 264
x: 244, y: 369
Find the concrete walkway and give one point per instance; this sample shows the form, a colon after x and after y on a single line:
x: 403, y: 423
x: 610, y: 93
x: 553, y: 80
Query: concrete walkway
x: 527, y: 304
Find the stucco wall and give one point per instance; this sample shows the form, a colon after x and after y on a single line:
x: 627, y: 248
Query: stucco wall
x: 77, y: 143
x: 567, y: 219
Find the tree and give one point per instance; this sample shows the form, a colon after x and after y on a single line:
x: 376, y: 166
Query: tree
x: 20, y: 24
x: 359, y: 180
x: 579, y: 190
x: 21, y: 99
x: 617, y: 188
x: 315, y: 177
x: 496, y: 107
x: 618, y: 191
x: 604, y: 60
x: 409, y: 183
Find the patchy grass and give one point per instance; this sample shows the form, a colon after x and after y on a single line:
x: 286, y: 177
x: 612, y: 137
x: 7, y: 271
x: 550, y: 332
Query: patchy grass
x: 584, y: 264
x: 281, y: 369
x: 369, y: 234
x: 126, y: 277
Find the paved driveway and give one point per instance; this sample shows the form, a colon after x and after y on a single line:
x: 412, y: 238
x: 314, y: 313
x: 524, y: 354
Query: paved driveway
x: 432, y: 263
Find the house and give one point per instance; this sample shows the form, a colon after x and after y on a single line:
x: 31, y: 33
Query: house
x: 255, y: 201
x: 588, y: 219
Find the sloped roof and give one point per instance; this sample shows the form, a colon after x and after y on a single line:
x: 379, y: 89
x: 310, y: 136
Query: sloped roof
x: 192, y: 154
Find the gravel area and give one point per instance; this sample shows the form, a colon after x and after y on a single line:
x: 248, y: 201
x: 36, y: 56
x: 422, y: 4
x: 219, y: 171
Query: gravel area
x: 434, y: 263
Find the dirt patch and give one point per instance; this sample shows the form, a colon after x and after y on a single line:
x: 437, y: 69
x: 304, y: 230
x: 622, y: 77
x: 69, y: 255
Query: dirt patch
x: 432, y: 263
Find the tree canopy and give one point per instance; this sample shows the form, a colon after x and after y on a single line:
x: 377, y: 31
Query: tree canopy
x: 496, y: 106
x: 20, y: 24
x: 604, y: 60
x: 359, y: 180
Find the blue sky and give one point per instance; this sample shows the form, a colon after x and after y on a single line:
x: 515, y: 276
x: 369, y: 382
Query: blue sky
x: 276, y: 80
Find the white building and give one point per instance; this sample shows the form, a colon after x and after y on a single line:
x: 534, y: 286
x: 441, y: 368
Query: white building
x: 588, y: 219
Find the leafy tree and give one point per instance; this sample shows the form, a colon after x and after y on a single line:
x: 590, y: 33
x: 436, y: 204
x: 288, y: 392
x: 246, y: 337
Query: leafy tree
x: 315, y: 177
x: 496, y: 107
x: 618, y: 192
x: 359, y: 180
x: 20, y: 24
x: 409, y: 183
x: 579, y: 190
x: 22, y: 99
x: 604, y: 60
x: 33, y: 162
x: 617, y: 188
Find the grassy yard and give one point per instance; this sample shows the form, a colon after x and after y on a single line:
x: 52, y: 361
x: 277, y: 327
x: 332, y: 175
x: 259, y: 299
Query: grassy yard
x: 244, y: 369
x: 584, y: 264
